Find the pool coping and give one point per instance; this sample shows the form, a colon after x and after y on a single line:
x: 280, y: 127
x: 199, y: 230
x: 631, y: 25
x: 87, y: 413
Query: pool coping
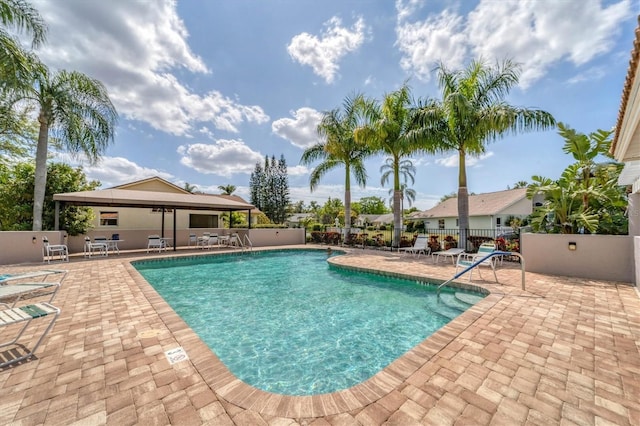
x: 226, y: 385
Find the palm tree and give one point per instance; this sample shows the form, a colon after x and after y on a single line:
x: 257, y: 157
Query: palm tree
x: 15, y: 63
x: 227, y: 189
x: 471, y: 114
x: 76, y: 109
x: 388, y: 132
x: 340, y: 147
x: 407, y: 170
x: 520, y: 184
x: 189, y: 188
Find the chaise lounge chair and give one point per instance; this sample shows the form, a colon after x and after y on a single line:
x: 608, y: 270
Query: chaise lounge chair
x: 26, y: 314
x: 23, y: 290
x: 466, y: 260
x: 419, y: 246
x: 452, y: 253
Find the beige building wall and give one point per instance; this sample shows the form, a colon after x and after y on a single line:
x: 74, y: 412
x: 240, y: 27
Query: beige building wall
x: 145, y: 218
x: 601, y: 257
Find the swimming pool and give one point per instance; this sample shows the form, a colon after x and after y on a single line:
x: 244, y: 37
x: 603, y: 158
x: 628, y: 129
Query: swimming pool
x: 287, y: 322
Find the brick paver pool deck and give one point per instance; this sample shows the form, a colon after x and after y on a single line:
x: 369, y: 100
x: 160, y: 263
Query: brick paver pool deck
x: 564, y: 351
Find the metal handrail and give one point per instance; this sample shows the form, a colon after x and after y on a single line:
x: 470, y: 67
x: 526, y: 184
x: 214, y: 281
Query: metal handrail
x: 248, y: 242
x: 492, y: 254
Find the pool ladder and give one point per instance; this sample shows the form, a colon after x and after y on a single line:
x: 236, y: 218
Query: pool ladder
x: 478, y: 262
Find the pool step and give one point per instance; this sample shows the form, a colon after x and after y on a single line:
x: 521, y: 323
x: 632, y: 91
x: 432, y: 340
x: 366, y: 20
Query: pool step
x: 469, y: 299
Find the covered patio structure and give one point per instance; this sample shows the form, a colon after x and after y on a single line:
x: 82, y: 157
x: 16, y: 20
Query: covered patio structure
x: 149, y: 199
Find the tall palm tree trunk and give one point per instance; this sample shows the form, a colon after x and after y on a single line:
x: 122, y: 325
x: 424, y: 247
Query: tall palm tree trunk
x: 347, y: 203
x: 40, y: 181
x: 397, y: 217
x: 463, y: 201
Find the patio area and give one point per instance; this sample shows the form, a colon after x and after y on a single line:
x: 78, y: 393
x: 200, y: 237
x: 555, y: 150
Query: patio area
x: 564, y: 351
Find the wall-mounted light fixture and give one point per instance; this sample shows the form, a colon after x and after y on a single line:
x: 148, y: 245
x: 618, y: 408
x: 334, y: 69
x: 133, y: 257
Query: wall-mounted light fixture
x: 33, y: 240
x: 573, y: 246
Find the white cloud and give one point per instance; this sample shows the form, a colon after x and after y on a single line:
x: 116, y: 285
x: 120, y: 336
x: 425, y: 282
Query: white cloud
x: 452, y: 160
x: 112, y: 171
x: 323, y: 53
x: 536, y: 34
x: 297, y: 170
x: 223, y: 158
x: 135, y: 48
x: 301, y: 131
x: 425, y: 44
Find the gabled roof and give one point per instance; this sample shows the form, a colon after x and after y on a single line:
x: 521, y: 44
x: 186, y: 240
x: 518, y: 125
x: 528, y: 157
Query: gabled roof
x: 626, y: 126
x: 488, y: 204
x: 154, y: 183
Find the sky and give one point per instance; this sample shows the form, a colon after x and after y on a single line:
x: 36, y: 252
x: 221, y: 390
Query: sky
x: 205, y: 89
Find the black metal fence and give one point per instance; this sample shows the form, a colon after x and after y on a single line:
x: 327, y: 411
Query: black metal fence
x: 439, y: 239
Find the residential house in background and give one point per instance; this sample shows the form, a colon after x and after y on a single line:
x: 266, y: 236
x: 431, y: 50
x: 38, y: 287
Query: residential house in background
x: 625, y: 146
x: 295, y: 220
x: 491, y: 210
x: 364, y: 220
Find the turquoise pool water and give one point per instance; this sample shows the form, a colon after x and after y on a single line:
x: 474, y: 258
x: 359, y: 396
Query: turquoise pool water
x: 287, y: 322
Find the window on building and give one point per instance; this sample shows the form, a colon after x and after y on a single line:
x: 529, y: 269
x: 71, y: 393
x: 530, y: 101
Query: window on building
x: 440, y: 223
x: 498, y: 221
x: 203, y: 221
x: 108, y: 218
x: 457, y: 223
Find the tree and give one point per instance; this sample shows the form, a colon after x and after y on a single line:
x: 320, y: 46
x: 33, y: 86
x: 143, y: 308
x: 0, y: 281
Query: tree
x: 472, y: 113
x: 405, y: 193
x: 15, y: 62
x: 373, y: 205
x: 190, y: 188
x: 340, y: 147
x: 77, y: 109
x: 269, y: 188
x: 227, y: 189
x: 520, y: 184
x: 331, y: 210
x: 586, y: 197
x: 16, y: 197
x: 389, y: 131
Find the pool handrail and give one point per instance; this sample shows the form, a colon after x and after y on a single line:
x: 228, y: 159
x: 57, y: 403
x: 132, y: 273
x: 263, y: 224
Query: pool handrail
x: 478, y: 262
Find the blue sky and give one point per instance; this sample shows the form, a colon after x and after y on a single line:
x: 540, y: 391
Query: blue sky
x: 207, y: 88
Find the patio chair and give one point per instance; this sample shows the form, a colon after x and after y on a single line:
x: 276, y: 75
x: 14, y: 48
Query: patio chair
x: 52, y: 251
x: 26, y: 314
x: 97, y: 246
x: 193, y: 238
x: 203, y: 241
x: 419, y: 246
x: 452, y: 253
x: 155, y: 242
x: 468, y: 259
x: 213, y: 241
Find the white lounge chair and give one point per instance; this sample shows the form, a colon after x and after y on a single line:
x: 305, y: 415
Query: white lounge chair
x: 26, y: 314
x: 466, y: 260
x: 27, y: 289
x: 53, y: 251
x: 452, y: 253
x: 419, y: 246
x: 193, y: 238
